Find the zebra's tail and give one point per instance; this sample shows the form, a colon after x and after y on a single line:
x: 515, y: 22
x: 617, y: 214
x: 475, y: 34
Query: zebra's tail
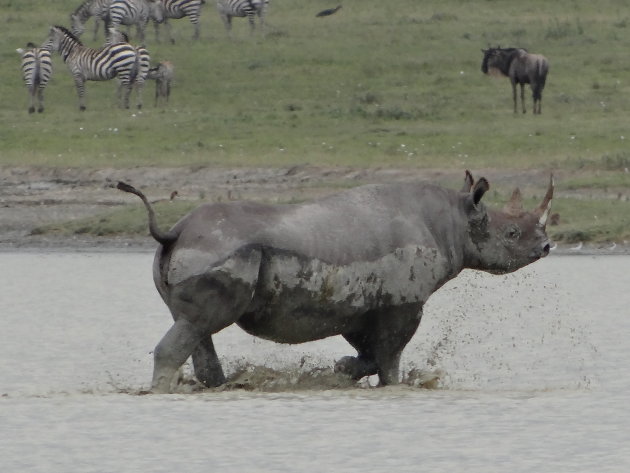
x: 135, y: 69
x: 162, y: 237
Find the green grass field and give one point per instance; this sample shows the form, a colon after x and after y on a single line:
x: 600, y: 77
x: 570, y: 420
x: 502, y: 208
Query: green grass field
x: 378, y: 84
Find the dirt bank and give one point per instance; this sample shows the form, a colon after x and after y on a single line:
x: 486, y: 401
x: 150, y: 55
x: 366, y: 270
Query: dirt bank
x: 32, y: 196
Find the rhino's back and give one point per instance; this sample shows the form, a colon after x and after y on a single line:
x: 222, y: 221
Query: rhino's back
x: 356, y: 226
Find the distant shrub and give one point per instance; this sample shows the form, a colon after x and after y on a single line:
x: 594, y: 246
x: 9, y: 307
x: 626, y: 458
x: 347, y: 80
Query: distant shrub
x: 564, y: 29
x: 620, y: 160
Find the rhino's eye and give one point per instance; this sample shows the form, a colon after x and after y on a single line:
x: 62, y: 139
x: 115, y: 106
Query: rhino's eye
x: 513, y: 232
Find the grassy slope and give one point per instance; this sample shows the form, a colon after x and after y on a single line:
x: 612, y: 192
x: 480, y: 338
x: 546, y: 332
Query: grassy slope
x: 378, y: 84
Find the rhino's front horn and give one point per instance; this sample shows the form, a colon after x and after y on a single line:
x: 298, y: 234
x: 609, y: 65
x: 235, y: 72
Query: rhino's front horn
x: 542, y: 211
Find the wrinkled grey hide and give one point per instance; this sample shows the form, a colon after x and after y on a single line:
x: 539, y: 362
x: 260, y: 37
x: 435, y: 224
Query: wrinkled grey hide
x: 360, y: 264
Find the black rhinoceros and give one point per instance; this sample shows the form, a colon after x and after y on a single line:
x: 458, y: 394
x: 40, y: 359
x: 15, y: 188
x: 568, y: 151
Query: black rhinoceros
x: 360, y: 263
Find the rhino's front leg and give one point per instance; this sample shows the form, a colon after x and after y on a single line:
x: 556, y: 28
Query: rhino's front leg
x: 171, y: 353
x: 380, y: 343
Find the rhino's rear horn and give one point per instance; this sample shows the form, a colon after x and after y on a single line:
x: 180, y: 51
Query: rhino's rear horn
x: 515, y: 204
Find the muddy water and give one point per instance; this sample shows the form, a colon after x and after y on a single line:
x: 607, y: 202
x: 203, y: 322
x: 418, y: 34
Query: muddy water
x: 533, y: 376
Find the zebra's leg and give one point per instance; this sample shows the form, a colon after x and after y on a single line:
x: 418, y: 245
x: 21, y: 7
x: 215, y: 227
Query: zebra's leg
x: 119, y: 93
x: 127, y: 86
x: 169, y: 30
x: 31, y: 96
x: 140, y: 30
x: 195, y: 22
x: 261, y: 15
x: 156, y: 28
x: 79, y: 83
x: 227, y: 21
x: 96, y: 24
x: 40, y: 97
x: 139, y: 89
x: 252, y: 22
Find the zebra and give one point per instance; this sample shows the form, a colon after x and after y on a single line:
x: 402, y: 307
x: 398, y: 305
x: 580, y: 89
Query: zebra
x: 177, y: 9
x: 96, y: 8
x: 37, y: 68
x: 133, y: 12
x: 163, y: 75
x: 242, y: 8
x: 115, y: 60
x: 144, y: 63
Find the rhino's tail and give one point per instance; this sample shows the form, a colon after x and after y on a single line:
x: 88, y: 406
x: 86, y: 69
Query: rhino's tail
x: 165, y: 238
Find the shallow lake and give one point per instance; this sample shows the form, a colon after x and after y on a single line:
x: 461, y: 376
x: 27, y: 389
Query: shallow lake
x: 533, y: 376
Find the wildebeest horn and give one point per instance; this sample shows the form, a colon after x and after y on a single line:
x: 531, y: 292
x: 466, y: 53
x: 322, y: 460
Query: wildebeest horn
x: 515, y: 205
x: 542, y: 211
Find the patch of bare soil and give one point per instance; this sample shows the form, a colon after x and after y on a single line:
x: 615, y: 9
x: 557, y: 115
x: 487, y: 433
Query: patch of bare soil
x: 34, y: 196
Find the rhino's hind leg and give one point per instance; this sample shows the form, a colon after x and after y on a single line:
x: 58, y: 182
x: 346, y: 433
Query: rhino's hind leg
x: 356, y: 366
x: 380, y: 343
x: 361, y: 365
x: 171, y: 352
x: 208, y: 369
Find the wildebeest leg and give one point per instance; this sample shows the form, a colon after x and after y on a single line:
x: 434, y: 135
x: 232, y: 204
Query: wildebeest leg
x: 537, y: 95
x: 171, y: 352
x: 523, y: 97
x: 514, y: 95
x: 380, y: 344
x: 206, y: 362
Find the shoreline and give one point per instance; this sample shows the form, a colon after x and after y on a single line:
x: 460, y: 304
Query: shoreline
x: 31, y: 197
x: 85, y: 244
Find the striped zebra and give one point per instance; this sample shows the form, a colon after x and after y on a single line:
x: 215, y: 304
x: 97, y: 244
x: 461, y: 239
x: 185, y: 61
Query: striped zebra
x: 133, y: 12
x: 115, y: 60
x: 242, y: 8
x: 176, y: 9
x: 96, y: 8
x: 144, y: 63
x: 37, y: 69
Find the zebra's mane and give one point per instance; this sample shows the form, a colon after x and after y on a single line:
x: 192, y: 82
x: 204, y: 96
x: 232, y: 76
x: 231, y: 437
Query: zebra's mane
x: 68, y: 33
x: 83, y: 7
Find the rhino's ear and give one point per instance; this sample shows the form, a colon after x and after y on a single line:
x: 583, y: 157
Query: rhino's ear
x: 468, y: 182
x: 474, y: 198
x: 479, y: 189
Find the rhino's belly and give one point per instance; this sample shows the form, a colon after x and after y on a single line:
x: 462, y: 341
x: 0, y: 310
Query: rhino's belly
x: 299, y: 299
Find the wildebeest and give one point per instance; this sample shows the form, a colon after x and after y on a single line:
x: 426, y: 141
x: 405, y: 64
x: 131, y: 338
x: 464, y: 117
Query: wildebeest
x: 360, y: 264
x: 522, y: 68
